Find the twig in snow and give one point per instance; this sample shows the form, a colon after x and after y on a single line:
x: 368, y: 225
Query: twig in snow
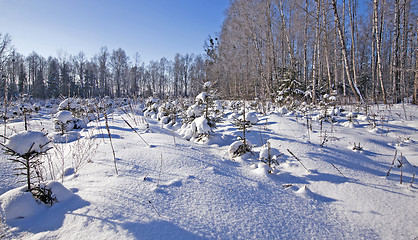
x: 401, y: 166
x: 412, y: 181
x: 338, y: 170
x: 154, y: 208
x: 299, y: 160
x: 136, y: 132
x: 161, y: 169
x: 393, y: 162
x: 110, y: 138
x: 1, y: 136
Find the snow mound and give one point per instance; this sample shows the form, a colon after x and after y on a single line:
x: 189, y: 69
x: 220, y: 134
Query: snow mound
x: 25, y: 141
x: 363, y: 118
x: 66, y: 137
x: 18, y: 203
x: 234, y: 147
x: 60, y: 192
x: 350, y: 124
x: 201, y: 125
x: 274, y: 153
x: 68, y: 104
x: 251, y: 117
x: 305, y: 192
x: 64, y: 116
x: 261, y: 169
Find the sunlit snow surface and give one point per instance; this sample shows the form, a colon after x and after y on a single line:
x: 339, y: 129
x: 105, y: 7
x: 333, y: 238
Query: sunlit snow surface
x: 179, y: 189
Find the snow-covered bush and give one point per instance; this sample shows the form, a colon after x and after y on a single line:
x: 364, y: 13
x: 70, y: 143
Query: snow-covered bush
x: 70, y: 104
x: 250, y: 117
x: 25, y: 148
x: 151, y: 107
x: 238, y: 148
x: 64, y: 122
x: 202, y: 116
x: 167, y: 112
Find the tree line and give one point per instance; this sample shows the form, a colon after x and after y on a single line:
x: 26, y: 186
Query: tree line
x: 305, y: 49
x: 108, y: 73
x: 279, y: 50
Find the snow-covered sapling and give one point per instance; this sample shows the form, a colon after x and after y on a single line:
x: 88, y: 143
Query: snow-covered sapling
x: 244, y: 123
x: 64, y: 121
x: 269, y: 157
x: 25, y: 148
x: 167, y: 113
x: 72, y: 105
x: 151, y: 106
x: 357, y: 148
x: 201, y: 117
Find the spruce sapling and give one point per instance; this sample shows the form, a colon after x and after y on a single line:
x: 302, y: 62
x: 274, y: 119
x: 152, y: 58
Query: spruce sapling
x: 25, y: 148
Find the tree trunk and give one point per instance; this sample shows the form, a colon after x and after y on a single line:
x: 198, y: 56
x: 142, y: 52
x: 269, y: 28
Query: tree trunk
x: 416, y: 71
x: 395, y: 54
x: 305, y: 49
x: 326, y: 47
x: 378, y: 34
x: 352, y: 14
x: 374, y: 60
x: 345, y: 56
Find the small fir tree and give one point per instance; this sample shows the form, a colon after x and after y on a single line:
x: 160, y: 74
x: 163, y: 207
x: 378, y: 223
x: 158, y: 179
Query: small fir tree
x: 25, y: 148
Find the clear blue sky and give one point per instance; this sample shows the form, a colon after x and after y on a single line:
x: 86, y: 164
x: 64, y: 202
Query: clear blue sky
x: 153, y: 28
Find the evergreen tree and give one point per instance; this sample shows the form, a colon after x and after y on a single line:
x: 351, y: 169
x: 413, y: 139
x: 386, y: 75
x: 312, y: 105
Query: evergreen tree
x: 53, y: 77
x: 38, y: 89
x: 22, y: 78
x: 65, y: 80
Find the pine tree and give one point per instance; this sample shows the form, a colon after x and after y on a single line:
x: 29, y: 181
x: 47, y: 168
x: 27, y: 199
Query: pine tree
x: 53, y: 78
x: 65, y: 80
x: 22, y: 78
x: 38, y: 88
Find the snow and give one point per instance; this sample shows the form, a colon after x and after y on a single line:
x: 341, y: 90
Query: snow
x: 282, y: 110
x: 64, y: 116
x: 25, y: 141
x: 207, y: 84
x: 18, y: 203
x: 201, y: 124
x: 264, y: 153
x: 194, y: 110
x: 60, y: 192
x: 234, y: 147
x: 251, y: 117
x: 182, y: 190
x: 201, y: 97
x: 69, y: 104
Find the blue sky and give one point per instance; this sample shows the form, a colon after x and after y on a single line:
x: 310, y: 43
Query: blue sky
x: 153, y: 28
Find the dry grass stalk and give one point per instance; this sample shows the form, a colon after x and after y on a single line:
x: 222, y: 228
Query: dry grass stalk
x: 299, y: 161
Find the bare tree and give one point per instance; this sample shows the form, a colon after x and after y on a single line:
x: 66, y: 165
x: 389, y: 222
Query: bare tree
x: 344, y: 53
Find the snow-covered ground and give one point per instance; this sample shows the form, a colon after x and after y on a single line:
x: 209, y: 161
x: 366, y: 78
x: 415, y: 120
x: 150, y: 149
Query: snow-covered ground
x: 179, y: 189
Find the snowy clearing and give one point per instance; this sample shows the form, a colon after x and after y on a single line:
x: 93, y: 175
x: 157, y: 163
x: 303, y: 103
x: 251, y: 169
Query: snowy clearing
x: 173, y: 188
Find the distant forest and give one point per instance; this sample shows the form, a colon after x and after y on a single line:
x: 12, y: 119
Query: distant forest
x: 278, y: 50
